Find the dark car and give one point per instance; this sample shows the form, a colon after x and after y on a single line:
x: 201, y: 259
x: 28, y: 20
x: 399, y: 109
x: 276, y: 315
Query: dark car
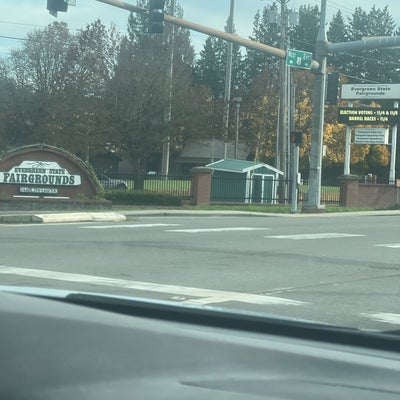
x: 111, y: 183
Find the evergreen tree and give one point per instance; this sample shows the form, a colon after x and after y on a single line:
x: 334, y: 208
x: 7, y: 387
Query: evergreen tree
x: 304, y: 34
x: 265, y: 30
x: 210, y: 68
x: 372, y: 65
x: 338, y: 32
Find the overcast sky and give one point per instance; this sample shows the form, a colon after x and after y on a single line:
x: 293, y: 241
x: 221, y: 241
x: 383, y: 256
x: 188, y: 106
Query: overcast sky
x: 18, y: 17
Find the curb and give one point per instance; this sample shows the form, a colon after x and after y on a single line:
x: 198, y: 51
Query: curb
x: 177, y: 213
x: 123, y: 215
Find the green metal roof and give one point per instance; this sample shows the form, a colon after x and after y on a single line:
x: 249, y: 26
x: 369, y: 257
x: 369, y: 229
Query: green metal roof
x: 240, y: 166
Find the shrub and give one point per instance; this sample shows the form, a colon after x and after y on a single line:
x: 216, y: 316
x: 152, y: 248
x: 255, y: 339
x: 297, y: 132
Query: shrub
x: 124, y: 197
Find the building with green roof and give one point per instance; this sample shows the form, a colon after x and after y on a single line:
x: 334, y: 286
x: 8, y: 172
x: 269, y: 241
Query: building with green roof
x: 243, y: 181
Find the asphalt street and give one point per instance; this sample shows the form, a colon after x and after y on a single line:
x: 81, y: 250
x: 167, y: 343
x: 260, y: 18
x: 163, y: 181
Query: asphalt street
x: 341, y: 270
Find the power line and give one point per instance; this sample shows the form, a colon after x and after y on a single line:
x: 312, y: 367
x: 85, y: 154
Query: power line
x: 22, y: 24
x: 12, y: 37
x: 358, y: 78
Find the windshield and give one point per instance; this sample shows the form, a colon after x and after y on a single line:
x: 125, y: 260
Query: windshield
x: 146, y: 157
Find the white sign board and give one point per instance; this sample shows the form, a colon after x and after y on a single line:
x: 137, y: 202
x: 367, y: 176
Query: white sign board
x: 371, y: 91
x: 43, y: 173
x: 371, y: 136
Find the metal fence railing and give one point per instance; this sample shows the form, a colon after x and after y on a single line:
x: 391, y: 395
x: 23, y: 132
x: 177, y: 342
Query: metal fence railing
x: 330, y: 193
x: 263, y: 189
x: 175, y: 185
x: 257, y: 189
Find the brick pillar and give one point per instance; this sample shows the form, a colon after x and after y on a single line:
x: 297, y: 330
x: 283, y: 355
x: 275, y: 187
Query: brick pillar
x: 201, y: 186
x: 349, y: 185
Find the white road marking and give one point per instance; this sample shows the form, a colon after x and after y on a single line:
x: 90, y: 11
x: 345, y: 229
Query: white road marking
x: 206, y: 230
x: 392, y: 246
x: 313, y: 236
x: 384, y: 317
x: 128, y: 226
x: 207, y: 296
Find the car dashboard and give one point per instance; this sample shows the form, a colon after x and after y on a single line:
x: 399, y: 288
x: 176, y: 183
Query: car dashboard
x: 70, y: 345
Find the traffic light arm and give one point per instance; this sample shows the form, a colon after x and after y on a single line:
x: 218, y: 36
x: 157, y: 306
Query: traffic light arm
x: 370, y: 43
x: 208, y: 31
x: 125, y: 6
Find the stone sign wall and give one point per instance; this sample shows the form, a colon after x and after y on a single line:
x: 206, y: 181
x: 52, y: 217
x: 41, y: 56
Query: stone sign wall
x: 41, y: 172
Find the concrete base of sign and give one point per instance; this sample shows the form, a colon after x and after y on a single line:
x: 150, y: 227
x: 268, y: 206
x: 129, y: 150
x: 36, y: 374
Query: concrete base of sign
x: 313, y: 209
x: 62, y: 217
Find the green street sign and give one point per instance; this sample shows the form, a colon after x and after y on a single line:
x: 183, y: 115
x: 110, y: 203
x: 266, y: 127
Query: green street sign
x: 298, y: 59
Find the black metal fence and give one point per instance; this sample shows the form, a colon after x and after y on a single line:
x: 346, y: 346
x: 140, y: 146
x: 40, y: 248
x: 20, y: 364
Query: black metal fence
x: 175, y: 185
x: 330, y: 192
x: 263, y: 189
x: 257, y: 189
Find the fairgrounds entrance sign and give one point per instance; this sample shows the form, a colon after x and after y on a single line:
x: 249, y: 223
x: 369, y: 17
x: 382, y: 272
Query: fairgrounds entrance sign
x: 377, y: 116
x: 44, y: 175
x: 40, y: 173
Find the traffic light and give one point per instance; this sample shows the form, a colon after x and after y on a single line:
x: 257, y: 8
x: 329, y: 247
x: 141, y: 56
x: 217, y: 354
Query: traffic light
x: 57, y: 5
x: 332, y: 88
x: 156, y: 16
x: 296, y: 138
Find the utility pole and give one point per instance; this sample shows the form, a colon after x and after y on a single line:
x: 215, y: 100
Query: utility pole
x: 228, y: 80
x: 237, y: 100
x: 167, y: 141
x: 282, y: 156
x: 294, y: 154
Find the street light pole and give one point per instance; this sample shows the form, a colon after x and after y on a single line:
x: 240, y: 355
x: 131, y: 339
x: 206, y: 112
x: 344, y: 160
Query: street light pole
x: 237, y: 100
x: 228, y: 80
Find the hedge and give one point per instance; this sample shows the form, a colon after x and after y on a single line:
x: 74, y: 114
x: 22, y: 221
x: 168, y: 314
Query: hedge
x: 128, y: 197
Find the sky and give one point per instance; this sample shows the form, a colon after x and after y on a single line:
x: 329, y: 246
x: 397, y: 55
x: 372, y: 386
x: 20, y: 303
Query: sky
x: 19, y: 17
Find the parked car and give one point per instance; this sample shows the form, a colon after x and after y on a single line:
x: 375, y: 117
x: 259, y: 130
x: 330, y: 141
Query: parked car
x: 112, y: 184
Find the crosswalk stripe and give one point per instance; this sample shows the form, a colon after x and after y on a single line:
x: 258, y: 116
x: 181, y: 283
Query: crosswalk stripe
x: 391, y: 246
x: 207, y: 296
x: 205, y: 230
x: 313, y: 236
x: 384, y: 317
x: 127, y: 226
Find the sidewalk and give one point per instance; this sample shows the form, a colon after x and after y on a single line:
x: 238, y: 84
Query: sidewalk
x: 30, y: 217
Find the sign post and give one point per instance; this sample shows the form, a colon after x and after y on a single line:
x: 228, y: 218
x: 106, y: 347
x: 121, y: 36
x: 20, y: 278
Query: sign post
x: 392, y: 171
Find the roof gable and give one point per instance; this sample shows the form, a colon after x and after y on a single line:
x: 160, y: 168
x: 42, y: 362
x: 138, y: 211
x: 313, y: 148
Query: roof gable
x: 240, y: 166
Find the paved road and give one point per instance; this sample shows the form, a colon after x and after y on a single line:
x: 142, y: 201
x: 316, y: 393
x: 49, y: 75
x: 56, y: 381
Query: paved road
x: 342, y: 270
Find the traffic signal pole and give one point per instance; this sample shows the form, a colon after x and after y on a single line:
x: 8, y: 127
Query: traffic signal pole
x: 317, y: 132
